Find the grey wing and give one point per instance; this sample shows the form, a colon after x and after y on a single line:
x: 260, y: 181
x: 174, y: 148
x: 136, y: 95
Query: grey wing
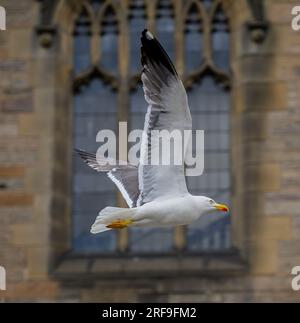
x: 168, y: 110
x: 125, y: 177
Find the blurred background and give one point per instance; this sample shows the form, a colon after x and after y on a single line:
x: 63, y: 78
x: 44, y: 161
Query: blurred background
x: 71, y: 68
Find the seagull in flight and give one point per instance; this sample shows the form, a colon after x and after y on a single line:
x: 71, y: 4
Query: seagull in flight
x: 156, y: 195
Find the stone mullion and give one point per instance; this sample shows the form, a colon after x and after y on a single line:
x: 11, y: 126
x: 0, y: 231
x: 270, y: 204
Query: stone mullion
x: 151, y: 15
x: 179, y: 232
x: 95, y: 43
x: 207, y: 32
x: 123, y: 102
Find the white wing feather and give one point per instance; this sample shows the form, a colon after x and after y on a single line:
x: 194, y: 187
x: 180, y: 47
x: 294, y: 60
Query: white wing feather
x: 168, y: 110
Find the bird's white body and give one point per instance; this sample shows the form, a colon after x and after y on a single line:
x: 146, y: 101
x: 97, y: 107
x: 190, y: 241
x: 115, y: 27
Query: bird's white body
x: 175, y: 211
x: 181, y: 210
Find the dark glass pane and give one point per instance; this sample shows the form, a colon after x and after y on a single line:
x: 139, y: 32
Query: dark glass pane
x: 221, y: 41
x: 166, y: 26
x: 151, y: 240
x: 207, y: 3
x: 110, y: 42
x: 146, y: 240
x: 82, y: 43
x: 210, y: 108
x: 97, y: 4
x: 209, y: 234
x: 138, y: 109
x: 193, y: 40
x: 137, y: 23
x: 95, y: 109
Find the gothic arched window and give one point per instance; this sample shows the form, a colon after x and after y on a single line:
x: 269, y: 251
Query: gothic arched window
x: 107, y: 89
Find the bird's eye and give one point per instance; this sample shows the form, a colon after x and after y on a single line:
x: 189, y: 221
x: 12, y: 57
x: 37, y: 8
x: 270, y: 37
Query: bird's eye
x: 211, y: 201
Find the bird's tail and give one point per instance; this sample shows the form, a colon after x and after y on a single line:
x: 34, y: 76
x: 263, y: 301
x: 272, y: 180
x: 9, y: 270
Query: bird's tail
x: 113, y: 218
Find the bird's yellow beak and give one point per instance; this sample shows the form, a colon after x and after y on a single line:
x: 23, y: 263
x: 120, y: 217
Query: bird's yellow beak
x: 222, y: 207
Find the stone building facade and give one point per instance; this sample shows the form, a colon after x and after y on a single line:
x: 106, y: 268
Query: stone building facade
x: 36, y: 152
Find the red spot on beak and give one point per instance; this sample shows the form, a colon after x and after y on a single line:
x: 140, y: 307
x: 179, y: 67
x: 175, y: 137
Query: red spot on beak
x: 222, y: 207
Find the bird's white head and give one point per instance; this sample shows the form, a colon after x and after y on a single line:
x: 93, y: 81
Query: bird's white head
x: 208, y: 205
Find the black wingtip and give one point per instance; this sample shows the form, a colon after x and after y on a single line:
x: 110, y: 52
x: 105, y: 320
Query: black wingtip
x: 144, y: 32
x: 147, y: 35
x: 84, y: 154
x: 79, y: 151
x: 153, y: 51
